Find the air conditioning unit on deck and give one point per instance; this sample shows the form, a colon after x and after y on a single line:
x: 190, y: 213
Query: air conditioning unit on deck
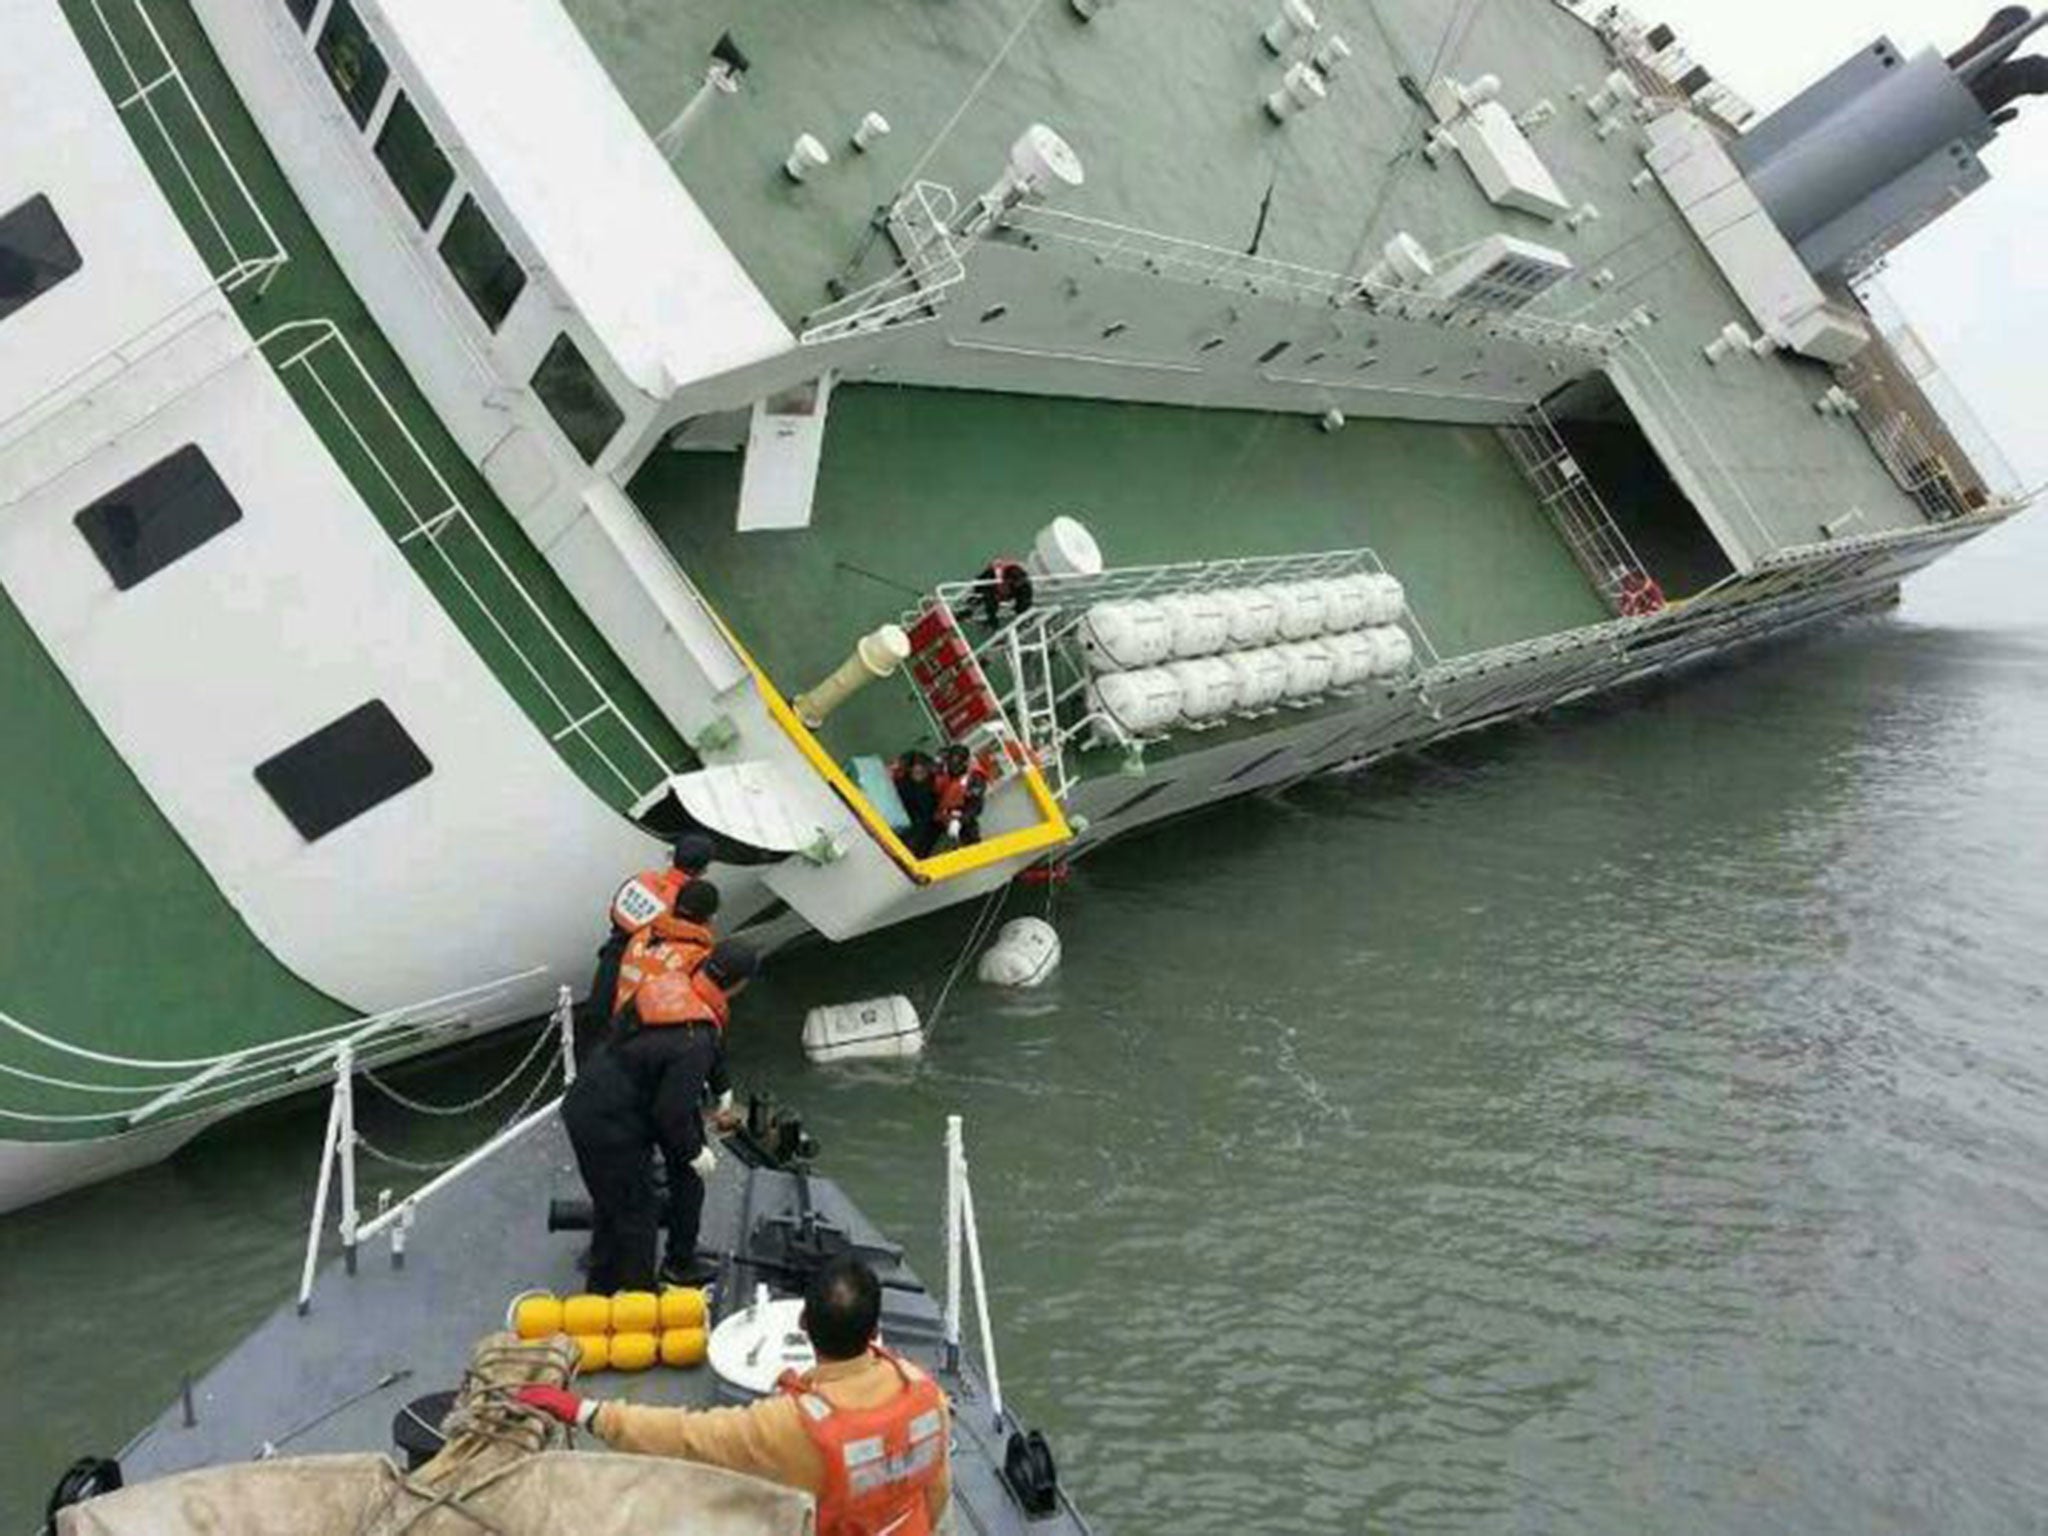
x: 1502, y: 273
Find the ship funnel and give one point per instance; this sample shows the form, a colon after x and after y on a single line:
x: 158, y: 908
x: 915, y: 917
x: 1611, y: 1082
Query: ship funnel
x: 878, y: 655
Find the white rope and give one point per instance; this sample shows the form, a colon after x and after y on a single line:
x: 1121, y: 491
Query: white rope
x: 974, y: 92
x: 547, y: 1036
x: 982, y: 923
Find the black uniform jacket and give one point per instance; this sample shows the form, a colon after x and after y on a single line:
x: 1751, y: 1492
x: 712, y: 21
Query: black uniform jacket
x: 645, y: 1087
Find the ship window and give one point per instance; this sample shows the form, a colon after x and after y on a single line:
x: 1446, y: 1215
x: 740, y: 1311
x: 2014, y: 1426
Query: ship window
x: 353, y: 64
x: 569, y: 389
x: 302, y: 11
x: 36, y: 254
x: 1274, y: 351
x: 157, y: 518
x: 343, y: 770
x: 414, y: 161
x: 481, y: 264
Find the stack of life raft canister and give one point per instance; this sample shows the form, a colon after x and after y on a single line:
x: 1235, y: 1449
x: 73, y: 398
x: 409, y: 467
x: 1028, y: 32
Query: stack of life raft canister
x: 631, y: 1331
x: 1193, y: 658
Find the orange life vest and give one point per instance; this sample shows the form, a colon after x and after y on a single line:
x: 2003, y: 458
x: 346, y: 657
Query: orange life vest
x: 669, y: 943
x: 645, y: 897
x: 682, y: 997
x: 879, y: 1461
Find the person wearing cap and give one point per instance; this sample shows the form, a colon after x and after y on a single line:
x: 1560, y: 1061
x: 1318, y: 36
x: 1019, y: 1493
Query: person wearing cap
x: 678, y: 940
x: 636, y: 904
x: 865, y: 1432
x: 641, y: 1094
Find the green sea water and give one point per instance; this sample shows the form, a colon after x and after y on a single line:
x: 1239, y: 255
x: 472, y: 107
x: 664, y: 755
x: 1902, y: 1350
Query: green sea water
x: 1633, y: 1122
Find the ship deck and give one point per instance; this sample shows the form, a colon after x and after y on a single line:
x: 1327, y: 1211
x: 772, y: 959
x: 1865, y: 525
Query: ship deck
x: 921, y: 486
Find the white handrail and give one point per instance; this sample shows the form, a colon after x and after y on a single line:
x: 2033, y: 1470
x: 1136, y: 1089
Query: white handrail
x: 453, y: 510
x: 339, y: 1143
x: 961, y: 1234
x: 239, y: 267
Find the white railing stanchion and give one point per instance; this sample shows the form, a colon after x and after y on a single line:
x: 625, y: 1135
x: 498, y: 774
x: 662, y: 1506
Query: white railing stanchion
x: 565, y: 1023
x: 956, y: 1172
x: 345, y: 1147
x: 319, y: 1220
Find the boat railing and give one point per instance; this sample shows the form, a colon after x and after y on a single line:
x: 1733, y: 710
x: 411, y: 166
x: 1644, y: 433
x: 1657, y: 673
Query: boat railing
x: 963, y: 1242
x: 345, y: 1059
x: 239, y: 243
x: 1173, y: 259
x: 1574, y: 507
x: 135, y: 1091
x: 920, y: 223
x: 431, y: 515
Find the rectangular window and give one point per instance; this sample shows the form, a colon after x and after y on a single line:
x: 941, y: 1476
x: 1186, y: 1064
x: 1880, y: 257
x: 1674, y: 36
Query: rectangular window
x: 569, y: 389
x: 352, y: 61
x: 343, y: 770
x: 36, y: 254
x: 414, y: 161
x: 157, y: 518
x: 481, y: 264
x: 1149, y: 792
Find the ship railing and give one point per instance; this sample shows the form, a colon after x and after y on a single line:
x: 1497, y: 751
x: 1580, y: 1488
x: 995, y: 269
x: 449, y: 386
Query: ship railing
x: 920, y: 223
x: 1037, y: 654
x: 1172, y: 259
x: 147, y: 1090
x: 963, y: 1243
x: 433, y: 516
x: 1574, y: 507
x: 344, y: 1060
x: 244, y: 245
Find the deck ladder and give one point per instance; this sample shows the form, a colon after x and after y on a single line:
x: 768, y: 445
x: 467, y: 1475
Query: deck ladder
x: 1573, y: 506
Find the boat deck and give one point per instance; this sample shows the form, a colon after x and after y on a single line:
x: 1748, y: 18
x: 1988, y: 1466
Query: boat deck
x: 378, y: 1339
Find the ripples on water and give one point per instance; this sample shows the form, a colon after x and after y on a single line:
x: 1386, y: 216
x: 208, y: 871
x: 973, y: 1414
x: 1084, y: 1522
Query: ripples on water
x: 1635, y: 1121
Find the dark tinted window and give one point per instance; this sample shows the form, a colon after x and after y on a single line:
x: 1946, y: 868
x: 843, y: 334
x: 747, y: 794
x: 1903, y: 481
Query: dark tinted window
x: 569, y: 389
x: 481, y: 264
x: 343, y: 770
x: 35, y: 253
x: 160, y: 516
x: 302, y: 11
x: 414, y: 161
x: 352, y: 61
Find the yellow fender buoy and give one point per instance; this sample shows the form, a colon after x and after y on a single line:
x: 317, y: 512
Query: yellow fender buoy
x: 633, y: 1351
x: 595, y: 1350
x: 683, y: 1346
x: 682, y: 1308
x: 536, y: 1315
x: 587, y: 1314
x: 635, y: 1312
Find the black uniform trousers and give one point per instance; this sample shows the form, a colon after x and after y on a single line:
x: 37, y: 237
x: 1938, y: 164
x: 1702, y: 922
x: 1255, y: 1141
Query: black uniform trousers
x: 624, y: 1213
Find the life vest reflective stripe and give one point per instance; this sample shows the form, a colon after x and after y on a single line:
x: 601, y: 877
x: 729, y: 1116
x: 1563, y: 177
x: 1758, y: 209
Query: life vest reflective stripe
x: 645, y: 897
x: 682, y: 997
x: 667, y: 944
x: 878, y: 1462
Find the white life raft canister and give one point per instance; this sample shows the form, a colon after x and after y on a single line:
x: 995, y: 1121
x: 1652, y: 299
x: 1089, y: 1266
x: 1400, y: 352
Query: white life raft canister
x: 877, y: 1029
x: 1026, y: 952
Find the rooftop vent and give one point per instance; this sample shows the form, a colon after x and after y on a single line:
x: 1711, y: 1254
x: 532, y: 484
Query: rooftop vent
x: 1301, y: 88
x: 1404, y: 264
x: 1088, y: 10
x: 805, y: 156
x: 1333, y: 54
x: 1040, y: 163
x: 721, y: 78
x: 1502, y: 273
x: 1297, y: 19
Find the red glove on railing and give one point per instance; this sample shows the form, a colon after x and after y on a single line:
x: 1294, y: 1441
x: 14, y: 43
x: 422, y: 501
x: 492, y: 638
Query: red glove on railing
x: 558, y: 1404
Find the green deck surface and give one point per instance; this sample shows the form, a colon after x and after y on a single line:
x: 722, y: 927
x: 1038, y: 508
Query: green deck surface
x: 311, y: 286
x: 1162, y: 102
x: 921, y: 486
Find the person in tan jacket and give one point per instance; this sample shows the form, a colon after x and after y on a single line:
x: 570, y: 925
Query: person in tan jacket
x: 818, y: 1432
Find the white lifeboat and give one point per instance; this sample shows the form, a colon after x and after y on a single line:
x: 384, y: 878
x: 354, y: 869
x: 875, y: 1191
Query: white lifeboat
x: 877, y: 1029
x: 1143, y: 703
x: 1253, y: 614
x: 1025, y: 954
x: 1389, y: 602
x: 1208, y: 687
x: 1123, y: 636
x: 1354, y: 657
x: 1309, y: 668
x: 1200, y: 622
x: 1348, y: 602
x: 1395, y: 652
x: 1261, y: 677
x: 1302, y: 609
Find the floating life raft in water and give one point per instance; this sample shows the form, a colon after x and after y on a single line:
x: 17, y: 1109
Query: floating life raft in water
x: 1026, y: 952
x: 877, y: 1029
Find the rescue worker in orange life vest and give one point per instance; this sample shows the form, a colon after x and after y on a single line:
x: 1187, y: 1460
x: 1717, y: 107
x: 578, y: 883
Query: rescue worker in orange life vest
x: 636, y: 904
x: 816, y: 1431
x: 642, y: 1093
x: 678, y: 940
x: 963, y: 789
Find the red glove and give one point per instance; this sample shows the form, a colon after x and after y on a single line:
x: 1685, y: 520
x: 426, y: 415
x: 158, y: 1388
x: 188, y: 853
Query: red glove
x: 558, y: 1404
